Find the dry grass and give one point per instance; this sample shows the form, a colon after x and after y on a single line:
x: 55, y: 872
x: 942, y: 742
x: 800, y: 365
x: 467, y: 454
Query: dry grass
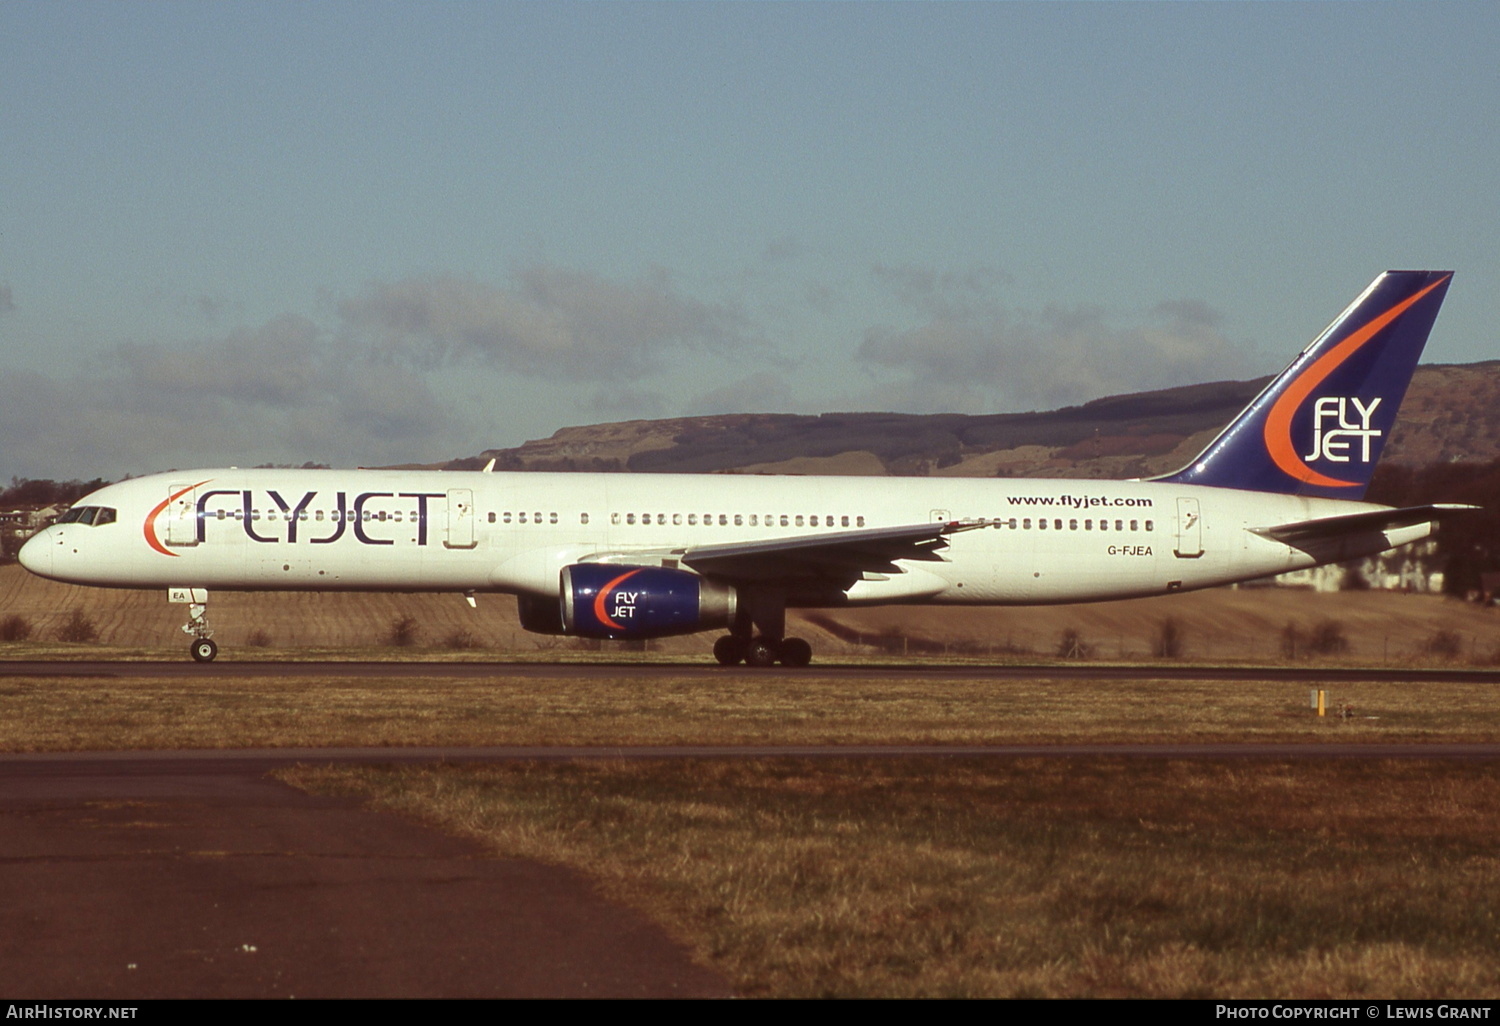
x: 1019, y: 878
x: 641, y: 708
x: 1216, y: 626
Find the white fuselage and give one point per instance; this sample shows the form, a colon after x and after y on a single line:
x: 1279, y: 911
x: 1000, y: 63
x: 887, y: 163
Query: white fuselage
x: 1044, y: 541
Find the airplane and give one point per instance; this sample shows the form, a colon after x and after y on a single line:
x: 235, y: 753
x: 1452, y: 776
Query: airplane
x: 631, y: 556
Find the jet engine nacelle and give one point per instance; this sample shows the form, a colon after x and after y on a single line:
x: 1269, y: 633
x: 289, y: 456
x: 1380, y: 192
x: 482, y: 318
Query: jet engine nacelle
x: 607, y: 600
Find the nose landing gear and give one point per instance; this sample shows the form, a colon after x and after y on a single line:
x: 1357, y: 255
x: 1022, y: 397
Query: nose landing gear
x: 202, y: 649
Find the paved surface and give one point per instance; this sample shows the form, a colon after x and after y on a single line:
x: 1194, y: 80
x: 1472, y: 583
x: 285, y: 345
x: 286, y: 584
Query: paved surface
x: 703, y: 671
x: 139, y: 876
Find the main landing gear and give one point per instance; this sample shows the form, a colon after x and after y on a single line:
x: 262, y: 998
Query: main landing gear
x: 202, y: 648
x: 732, y: 649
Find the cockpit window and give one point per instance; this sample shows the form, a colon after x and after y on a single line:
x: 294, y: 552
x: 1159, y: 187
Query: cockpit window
x: 92, y: 516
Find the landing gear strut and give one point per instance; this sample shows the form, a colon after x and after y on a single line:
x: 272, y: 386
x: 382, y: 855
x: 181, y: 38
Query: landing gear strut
x: 758, y: 635
x: 202, y: 648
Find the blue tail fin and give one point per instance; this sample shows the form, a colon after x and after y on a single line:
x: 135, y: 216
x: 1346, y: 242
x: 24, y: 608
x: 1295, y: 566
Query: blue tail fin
x: 1318, y: 429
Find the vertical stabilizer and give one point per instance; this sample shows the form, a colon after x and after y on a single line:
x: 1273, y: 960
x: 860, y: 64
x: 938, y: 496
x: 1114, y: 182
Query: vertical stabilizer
x: 1320, y: 426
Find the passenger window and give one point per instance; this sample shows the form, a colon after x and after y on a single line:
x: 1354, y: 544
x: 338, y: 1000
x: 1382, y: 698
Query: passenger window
x: 492, y: 518
x: 859, y: 521
x: 521, y: 517
x: 843, y: 521
x: 813, y: 521
x: 784, y: 520
x: 676, y: 519
x: 583, y: 518
x: 1119, y: 525
x: 661, y: 518
x: 799, y: 520
x: 1026, y: 524
x: 1149, y: 526
x: 692, y: 520
x: 723, y: 519
x: 1133, y: 526
x: 551, y: 518
x: 739, y: 521
x: 614, y: 518
x: 1041, y: 524
x: 630, y: 518
x: 1072, y: 525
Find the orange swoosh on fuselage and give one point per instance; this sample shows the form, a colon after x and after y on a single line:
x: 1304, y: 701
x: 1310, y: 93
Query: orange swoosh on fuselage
x: 1278, y: 429
x: 150, y: 525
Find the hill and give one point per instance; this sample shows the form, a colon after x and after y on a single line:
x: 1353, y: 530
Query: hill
x: 1451, y: 413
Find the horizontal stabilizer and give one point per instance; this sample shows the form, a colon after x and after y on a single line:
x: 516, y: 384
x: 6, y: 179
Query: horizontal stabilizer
x: 1359, y: 523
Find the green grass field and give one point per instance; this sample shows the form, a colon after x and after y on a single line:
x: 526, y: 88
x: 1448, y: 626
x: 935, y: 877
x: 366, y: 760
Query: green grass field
x: 1017, y: 877
x: 924, y: 876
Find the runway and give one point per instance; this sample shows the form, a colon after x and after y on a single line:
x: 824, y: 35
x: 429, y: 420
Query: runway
x: 229, y: 669
x: 140, y: 875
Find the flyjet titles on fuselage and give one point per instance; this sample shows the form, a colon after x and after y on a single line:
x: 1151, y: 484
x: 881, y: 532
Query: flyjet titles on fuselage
x: 318, y: 518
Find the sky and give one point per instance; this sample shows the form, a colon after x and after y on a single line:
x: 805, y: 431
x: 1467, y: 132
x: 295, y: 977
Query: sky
x: 378, y: 232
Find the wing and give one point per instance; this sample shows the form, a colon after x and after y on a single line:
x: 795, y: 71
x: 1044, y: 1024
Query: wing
x: 831, y: 557
x: 1358, y: 523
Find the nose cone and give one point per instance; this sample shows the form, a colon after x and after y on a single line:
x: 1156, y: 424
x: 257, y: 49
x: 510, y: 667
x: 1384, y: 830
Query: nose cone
x: 36, y: 554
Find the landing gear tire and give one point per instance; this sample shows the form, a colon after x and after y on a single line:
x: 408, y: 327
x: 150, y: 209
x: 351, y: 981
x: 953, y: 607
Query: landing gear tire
x: 760, y: 653
x: 794, y: 652
x: 730, y: 650
x: 203, y: 650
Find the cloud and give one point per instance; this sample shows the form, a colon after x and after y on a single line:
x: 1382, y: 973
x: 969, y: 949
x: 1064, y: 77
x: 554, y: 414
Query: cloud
x: 942, y: 293
x: 549, y: 322
x: 968, y: 344
x: 785, y: 247
x: 284, y: 392
x: 760, y: 392
x: 609, y: 404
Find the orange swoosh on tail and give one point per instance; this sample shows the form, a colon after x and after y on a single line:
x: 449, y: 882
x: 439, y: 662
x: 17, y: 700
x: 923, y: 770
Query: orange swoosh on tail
x: 1278, y: 429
